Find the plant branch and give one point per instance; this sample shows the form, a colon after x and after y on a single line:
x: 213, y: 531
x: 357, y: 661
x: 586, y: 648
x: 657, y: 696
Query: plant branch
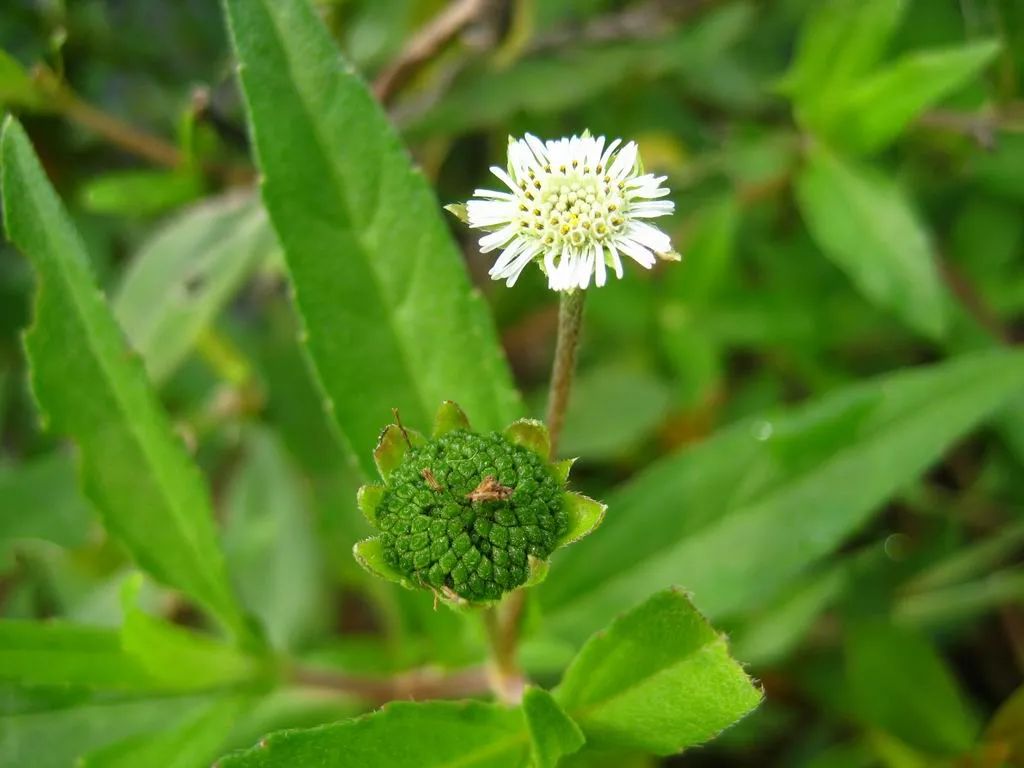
x: 425, y: 45
x: 570, y: 318
x: 505, y: 676
x: 416, y: 685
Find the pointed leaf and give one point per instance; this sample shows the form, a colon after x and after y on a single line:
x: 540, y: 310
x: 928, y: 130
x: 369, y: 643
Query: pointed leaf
x: 449, y: 417
x: 585, y: 515
x: 390, y: 315
x: 368, y: 498
x: 538, y: 571
x: 738, y: 518
x: 552, y: 732
x: 563, y: 468
x: 134, y: 469
x: 865, y: 224
x: 368, y: 554
x: 531, y: 434
x: 392, y: 445
x: 659, y: 679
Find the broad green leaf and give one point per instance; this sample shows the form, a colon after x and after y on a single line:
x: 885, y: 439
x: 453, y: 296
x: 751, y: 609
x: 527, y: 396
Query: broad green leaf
x: 879, y: 108
x: 403, y: 734
x: 182, y: 277
x: 195, y: 743
x: 736, y: 518
x: 134, y: 469
x: 56, y: 737
x: 40, y: 500
x: 390, y: 317
x: 179, y: 658
x: 863, y: 222
x: 659, y: 679
x: 552, y: 733
x: 270, y: 543
x: 899, y: 683
x: 16, y: 87
x: 840, y: 41
x: 141, y: 193
x: 59, y: 653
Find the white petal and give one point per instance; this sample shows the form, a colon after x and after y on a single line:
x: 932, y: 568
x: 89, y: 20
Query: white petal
x: 503, y: 175
x: 652, y: 209
x: 624, y: 161
x: 495, y: 239
x: 616, y: 261
x: 636, y: 251
x: 650, y: 236
x: 608, y: 153
x: 600, y: 276
x: 507, y: 256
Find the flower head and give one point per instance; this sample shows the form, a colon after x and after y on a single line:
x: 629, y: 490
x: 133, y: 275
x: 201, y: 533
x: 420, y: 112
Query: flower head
x: 469, y: 516
x: 574, y: 205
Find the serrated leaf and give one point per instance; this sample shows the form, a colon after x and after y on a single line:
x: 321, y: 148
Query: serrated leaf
x: 179, y: 658
x: 184, y: 275
x: 552, y: 732
x: 392, y: 321
x: 449, y: 417
x: 736, y: 518
x: 270, y: 543
x: 898, y: 682
x: 401, y: 735
x: 878, y: 109
x: 864, y: 224
x: 531, y: 434
x: 61, y: 653
x: 585, y: 515
x: 193, y: 743
x: 134, y: 469
x: 40, y: 499
x: 659, y: 679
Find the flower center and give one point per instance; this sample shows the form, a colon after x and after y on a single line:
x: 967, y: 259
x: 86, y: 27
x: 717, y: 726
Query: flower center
x: 569, y: 207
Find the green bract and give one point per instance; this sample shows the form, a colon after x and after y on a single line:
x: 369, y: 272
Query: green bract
x: 470, y: 516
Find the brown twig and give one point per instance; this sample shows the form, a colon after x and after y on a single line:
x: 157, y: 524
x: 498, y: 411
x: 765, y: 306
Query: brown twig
x: 416, y: 685
x: 425, y: 45
x: 973, y: 302
x: 650, y: 19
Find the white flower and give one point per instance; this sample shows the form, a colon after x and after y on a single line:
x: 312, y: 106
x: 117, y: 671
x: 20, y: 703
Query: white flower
x: 575, y: 206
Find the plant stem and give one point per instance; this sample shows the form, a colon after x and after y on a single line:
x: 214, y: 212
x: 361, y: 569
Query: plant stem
x: 417, y: 684
x: 504, y: 621
x: 570, y: 319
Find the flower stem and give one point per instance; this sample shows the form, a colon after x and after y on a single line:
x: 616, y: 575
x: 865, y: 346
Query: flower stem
x: 570, y: 319
x: 503, y: 622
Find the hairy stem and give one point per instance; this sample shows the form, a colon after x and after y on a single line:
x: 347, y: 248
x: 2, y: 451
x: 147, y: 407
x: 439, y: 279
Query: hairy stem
x: 570, y: 319
x: 417, y: 684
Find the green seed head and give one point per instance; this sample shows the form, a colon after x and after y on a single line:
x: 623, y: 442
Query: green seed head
x: 465, y: 512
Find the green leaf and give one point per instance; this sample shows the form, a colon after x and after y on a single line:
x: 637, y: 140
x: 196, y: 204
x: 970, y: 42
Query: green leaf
x: 59, y: 653
x: 863, y: 222
x: 879, y: 108
x: 736, y: 518
x: 186, y: 273
x: 531, y: 434
x: 900, y: 684
x: 392, y: 321
x: 552, y: 733
x: 368, y: 499
x: 658, y: 679
x: 449, y: 417
x: 194, y: 743
x: 585, y: 515
x: 368, y: 553
x: 140, y: 193
x: 179, y: 658
x: 55, y: 737
x: 840, y: 42
x: 271, y: 546
x: 134, y: 469
x: 16, y: 87
x: 40, y: 500
x: 392, y: 445
x: 403, y: 734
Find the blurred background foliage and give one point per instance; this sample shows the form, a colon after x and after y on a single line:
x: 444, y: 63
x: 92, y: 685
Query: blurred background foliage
x: 849, y: 180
